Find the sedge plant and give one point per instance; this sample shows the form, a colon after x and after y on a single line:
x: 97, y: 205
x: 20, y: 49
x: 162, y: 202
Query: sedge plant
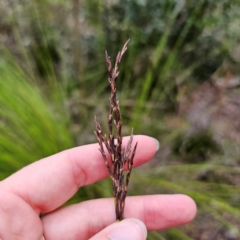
x: 118, y: 154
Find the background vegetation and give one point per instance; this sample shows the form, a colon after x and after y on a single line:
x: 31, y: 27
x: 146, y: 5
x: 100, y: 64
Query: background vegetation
x: 179, y: 83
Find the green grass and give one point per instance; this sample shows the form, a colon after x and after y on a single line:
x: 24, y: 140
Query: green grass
x: 31, y: 126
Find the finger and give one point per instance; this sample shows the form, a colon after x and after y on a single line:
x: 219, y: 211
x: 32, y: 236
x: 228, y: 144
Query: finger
x: 17, y: 219
x: 83, y: 220
x: 48, y: 183
x: 127, y: 229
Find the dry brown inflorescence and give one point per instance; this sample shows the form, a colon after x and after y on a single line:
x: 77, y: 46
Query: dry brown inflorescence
x: 119, y: 156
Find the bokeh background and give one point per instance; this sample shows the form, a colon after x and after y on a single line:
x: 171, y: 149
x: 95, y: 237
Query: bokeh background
x: 179, y: 83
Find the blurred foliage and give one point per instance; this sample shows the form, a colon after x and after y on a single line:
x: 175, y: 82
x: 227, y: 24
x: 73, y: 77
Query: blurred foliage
x: 195, y: 148
x: 52, y: 70
x: 27, y: 122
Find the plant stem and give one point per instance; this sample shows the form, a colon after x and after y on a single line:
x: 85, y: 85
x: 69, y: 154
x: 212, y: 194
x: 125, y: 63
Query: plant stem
x: 119, y: 156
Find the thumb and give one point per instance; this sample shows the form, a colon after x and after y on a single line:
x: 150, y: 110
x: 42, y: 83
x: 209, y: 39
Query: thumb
x: 130, y: 228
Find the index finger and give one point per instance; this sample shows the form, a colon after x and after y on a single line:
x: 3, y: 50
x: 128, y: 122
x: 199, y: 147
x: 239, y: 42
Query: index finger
x: 48, y: 183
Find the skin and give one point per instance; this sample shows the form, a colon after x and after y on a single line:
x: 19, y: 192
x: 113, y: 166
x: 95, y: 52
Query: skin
x: 42, y: 187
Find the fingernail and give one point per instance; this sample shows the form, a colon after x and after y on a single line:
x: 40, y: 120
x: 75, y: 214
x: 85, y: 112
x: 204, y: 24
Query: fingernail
x: 128, y: 229
x: 157, y: 143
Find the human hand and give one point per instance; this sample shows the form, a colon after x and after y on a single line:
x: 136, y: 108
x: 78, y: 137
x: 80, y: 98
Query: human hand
x: 42, y: 187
